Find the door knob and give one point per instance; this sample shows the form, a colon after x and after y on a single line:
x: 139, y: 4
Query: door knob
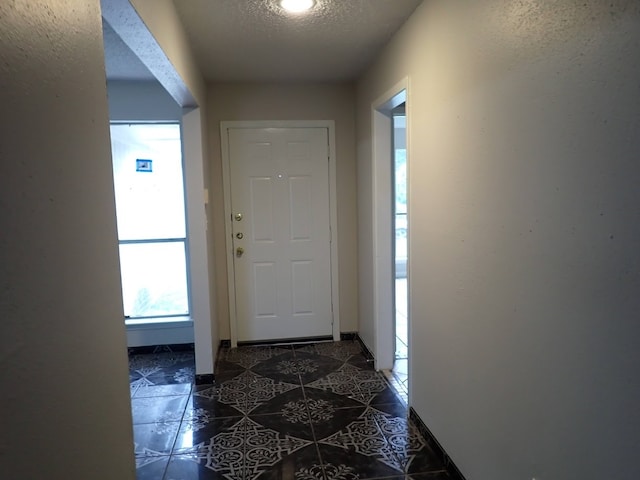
x: 239, y: 252
x: 238, y: 217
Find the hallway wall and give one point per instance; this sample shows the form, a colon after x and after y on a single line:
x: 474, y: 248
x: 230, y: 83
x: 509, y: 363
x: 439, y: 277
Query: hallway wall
x: 524, y: 231
x: 234, y: 102
x: 65, y: 406
x: 183, y: 79
x: 142, y: 102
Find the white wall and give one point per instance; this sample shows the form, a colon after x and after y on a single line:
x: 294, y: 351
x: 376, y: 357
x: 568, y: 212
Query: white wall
x: 524, y: 232
x: 233, y: 102
x: 65, y: 407
x: 141, y: 102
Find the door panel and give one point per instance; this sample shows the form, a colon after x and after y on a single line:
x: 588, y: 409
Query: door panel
x: 265, y: 281
x: 261, y: 198
x: 301, y: 204
x: 302, y: 275
x: 280, y: 187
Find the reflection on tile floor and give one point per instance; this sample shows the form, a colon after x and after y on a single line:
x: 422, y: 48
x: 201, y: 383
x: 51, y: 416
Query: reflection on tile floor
x: 399, y: 376
x: 302, y: 412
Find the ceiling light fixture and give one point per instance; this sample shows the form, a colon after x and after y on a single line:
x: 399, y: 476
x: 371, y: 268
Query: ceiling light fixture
x: 296, y: 6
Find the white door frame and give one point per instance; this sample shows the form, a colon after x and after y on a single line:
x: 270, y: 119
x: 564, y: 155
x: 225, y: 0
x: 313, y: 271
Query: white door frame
x: 383, y: 281
x: 333, y: 211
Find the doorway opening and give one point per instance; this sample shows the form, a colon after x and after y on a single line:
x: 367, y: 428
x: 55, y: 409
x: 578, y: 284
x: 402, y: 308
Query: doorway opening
x: 390, y: 241
x: 400, y: 370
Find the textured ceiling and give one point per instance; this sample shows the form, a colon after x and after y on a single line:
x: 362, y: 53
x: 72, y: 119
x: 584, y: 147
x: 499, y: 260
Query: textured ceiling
x: 255, y: 40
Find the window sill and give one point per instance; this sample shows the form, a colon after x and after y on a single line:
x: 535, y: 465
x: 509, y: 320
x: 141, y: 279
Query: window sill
x: 172, y: 322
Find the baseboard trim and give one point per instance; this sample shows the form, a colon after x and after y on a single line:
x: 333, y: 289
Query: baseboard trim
x: 287, y: 341
x: 367, y: 353
x: 451, y: 468
x: 176, y: 347
x: 348, y: 336
x: 343, y: 336
x: 205, y: 379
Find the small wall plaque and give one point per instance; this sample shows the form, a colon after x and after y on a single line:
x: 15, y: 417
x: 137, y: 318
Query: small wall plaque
x: 143, y: 165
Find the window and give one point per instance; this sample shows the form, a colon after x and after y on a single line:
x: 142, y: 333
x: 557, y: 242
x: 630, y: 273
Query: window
x: 150, y: 208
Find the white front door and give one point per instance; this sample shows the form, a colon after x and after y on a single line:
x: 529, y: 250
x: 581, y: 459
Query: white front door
x: 279, y: 182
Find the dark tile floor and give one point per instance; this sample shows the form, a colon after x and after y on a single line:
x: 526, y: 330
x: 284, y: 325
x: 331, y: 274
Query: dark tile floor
x: 303, y: 412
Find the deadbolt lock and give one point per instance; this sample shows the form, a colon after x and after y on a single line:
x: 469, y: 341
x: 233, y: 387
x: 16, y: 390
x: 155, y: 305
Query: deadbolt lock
x: 239, y: 235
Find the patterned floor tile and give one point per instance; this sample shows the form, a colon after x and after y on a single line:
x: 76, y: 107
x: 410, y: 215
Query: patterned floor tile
x: 387, y: 396
x: 222, y: 366
x: 246, y: 391
x: 246, y: 450
x: 204, y: 467
x: 161, y: 360
x: 362, y: 362
x: 206, y: 399
x: 221, y: 377
x: 297, y: 367
x: 282, y: 403
x: 342, y: 351
x: 153, y: 439
x: 400, y: 388
x: 146, y: 376
x: 151, y: 468
x: 411, y: 451
x: 265, y: 447
x: 220, y: 456
x: 162, y: 368
x: 364, y: 436
x: 163, y: 390
x: 396, y: 409
x: 424, y: 460
x: 158, y: 409
x: 197, y: 437
x: 353, y: 382
x: 295, y: 466
x: 247, y: 357
x: 439, y: 475
x: 329, y: 413
x: 327, y: 397
x: 260, y: 390
x: 290, y: 426
x: 348, y: 464
x: 309, y: 412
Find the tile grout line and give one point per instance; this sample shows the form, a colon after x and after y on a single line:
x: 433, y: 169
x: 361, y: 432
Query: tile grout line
x: 313, y: 430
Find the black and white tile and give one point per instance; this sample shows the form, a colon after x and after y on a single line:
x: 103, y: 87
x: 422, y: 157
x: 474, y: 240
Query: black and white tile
x: 305, y: 412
